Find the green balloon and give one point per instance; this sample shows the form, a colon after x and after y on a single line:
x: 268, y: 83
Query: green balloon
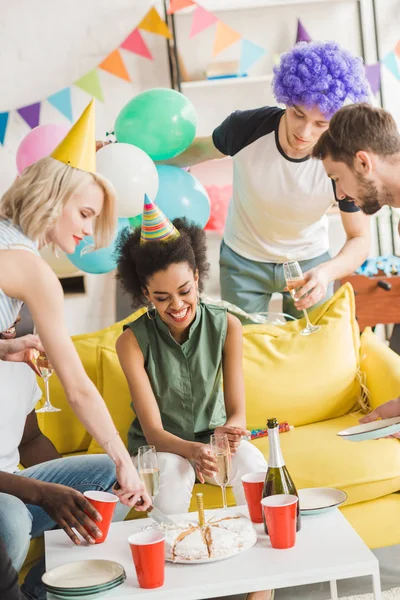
x: 135, y: 221
x: 162, y: 122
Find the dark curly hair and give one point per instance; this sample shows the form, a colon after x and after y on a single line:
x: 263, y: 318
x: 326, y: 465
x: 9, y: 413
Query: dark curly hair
x: 320, y: 74
x: 137, y: 263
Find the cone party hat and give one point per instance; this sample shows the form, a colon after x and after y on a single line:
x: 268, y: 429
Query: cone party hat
x: 78, y: 148
x: 156, y: 227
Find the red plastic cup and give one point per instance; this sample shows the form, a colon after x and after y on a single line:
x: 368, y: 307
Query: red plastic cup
x: 280, y: 513
x: 253, y: 484
x: 148, y: 553
x: 105, y: 504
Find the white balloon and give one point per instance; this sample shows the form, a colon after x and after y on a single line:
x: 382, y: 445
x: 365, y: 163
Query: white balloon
x: 60, y: 264
x: 132, y: 173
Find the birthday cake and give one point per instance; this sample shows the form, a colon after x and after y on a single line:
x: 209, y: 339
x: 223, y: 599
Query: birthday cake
x: 218, y: 538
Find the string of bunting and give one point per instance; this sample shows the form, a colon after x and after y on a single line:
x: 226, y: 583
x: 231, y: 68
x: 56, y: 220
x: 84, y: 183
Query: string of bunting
x: 152, y: 22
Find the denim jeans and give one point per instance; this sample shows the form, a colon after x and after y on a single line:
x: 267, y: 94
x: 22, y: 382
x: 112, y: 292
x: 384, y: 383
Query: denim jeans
x: 250, y: 284
x: 20, y: 522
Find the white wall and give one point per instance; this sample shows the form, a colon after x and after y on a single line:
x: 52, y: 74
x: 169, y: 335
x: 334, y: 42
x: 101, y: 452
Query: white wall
x: 47, y: 45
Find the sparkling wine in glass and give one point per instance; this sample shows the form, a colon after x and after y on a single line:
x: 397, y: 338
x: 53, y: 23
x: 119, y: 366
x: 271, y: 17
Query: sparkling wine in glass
x: 294, y: 281
x: 46, y: 371
x: 220, y: 448
x: 148, y: 469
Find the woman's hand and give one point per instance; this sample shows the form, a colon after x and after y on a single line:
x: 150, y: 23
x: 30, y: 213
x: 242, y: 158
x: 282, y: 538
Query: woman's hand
x: 235, y: 435
x: 385, y: 411
x: 205, y: 463
x: 22, y: 349
x: 131, y: 490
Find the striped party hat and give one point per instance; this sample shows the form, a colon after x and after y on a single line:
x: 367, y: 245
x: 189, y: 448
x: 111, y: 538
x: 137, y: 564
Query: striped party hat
x: 156, y: 227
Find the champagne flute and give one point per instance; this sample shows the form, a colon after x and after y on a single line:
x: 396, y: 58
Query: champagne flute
x: 148, y: 469
x: 220, y: 448
x: 46, y: 371
x: 294, y: 281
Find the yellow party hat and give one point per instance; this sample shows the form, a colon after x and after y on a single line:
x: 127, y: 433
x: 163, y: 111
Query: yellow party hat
x: 78, y: 148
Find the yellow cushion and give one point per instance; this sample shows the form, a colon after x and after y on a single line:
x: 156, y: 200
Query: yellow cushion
x: 113, y: 387
x: 316, y: 456
x: 303, y: 379
x: 382, y: 369
x: 377, y: 521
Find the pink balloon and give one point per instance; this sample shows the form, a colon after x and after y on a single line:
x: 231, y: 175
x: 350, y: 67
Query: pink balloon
x: 38, y: 143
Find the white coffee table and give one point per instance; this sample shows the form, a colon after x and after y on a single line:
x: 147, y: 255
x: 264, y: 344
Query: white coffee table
x: 327, y: 549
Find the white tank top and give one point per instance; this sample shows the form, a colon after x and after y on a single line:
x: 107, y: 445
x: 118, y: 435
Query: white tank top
x: 12, y: 238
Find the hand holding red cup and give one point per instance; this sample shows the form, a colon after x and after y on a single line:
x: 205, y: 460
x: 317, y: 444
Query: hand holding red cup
x: 105, y: 504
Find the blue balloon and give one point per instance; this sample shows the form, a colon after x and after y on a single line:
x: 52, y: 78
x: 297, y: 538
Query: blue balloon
x: 99, y: 261
x: 182, y: 195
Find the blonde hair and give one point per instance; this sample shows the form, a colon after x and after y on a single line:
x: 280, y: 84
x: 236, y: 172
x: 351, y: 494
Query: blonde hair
x: 36, y: 200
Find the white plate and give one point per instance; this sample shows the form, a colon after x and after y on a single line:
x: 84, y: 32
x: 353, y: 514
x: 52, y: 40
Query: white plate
x: 371, y: 431
x: 317, y: 500
x: 83, y: 574
x: 215, y: 514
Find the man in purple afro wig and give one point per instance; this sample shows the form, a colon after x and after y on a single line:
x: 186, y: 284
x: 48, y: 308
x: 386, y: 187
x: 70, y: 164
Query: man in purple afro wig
x: 281, y: 195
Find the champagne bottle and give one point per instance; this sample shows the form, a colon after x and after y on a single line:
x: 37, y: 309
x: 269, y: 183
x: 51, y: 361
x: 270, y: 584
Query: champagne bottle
x: 277, y: 480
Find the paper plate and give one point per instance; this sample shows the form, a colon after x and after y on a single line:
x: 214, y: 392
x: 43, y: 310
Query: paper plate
x: 83, y: 575
x: 317, y: 500
x: 87, y: 590
x: 371, y: 431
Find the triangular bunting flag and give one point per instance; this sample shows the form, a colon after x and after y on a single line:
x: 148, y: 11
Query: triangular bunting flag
x: 153, y: 23
x: 225, y: 36
x: 62, y: 102
x: 90, y: 83
x: 201, y: 20
x: 114, y: 64
x: 302, y: 35
x: 175, y: 5
x: 136, y: 44
x: 251, y: 53
x: 3, y: 126
x: 390, y: 61
x: 397, y: 49
x: 30, y: 114
x: 373, y: 74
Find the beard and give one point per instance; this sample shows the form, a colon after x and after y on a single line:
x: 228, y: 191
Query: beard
x: 369, y: 198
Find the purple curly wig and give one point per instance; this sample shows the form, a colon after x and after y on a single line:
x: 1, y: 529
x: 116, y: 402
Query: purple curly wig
x: 320, y: 74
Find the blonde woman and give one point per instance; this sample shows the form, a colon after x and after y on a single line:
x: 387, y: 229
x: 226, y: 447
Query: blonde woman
x: 54, y: 203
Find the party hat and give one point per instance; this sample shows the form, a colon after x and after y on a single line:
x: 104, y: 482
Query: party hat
x: 78, y: 148
x: 156, y: 227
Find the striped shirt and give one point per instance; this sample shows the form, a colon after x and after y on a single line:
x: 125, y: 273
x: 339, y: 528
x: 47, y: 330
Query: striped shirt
x: 12, y: 238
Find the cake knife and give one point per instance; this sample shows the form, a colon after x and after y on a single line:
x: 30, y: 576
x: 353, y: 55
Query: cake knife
x: 155, y: 513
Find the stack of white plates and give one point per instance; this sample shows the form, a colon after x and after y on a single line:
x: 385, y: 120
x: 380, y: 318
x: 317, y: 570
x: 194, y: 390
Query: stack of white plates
x: 86, y: 578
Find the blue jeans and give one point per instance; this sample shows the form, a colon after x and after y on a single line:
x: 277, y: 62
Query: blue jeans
x: 250, y: 284
x: 20, y: 522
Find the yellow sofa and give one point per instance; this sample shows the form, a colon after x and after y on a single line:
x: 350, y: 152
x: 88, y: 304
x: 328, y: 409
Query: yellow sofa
x: 315, y: 383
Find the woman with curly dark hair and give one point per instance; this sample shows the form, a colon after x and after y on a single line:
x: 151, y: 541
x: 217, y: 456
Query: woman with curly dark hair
x: 174, y: 357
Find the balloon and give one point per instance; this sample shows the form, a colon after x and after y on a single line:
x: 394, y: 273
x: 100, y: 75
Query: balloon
x: 97, y: 261
x: 59, y: 262
x: 182, y: 195
x: 132, y: 173
x: 162, y: 122
x: 135, y: 221
x: 38, y: 143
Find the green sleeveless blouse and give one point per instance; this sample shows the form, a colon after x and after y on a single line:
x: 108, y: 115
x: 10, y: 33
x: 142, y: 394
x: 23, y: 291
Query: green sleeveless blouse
x: 186, y: 379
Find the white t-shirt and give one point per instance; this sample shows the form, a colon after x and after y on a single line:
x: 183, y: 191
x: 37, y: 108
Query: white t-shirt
x: 279, y: 204
x: 19, y: 393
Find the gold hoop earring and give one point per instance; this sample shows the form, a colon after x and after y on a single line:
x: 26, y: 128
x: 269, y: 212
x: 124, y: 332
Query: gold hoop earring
x: 151, y: 311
